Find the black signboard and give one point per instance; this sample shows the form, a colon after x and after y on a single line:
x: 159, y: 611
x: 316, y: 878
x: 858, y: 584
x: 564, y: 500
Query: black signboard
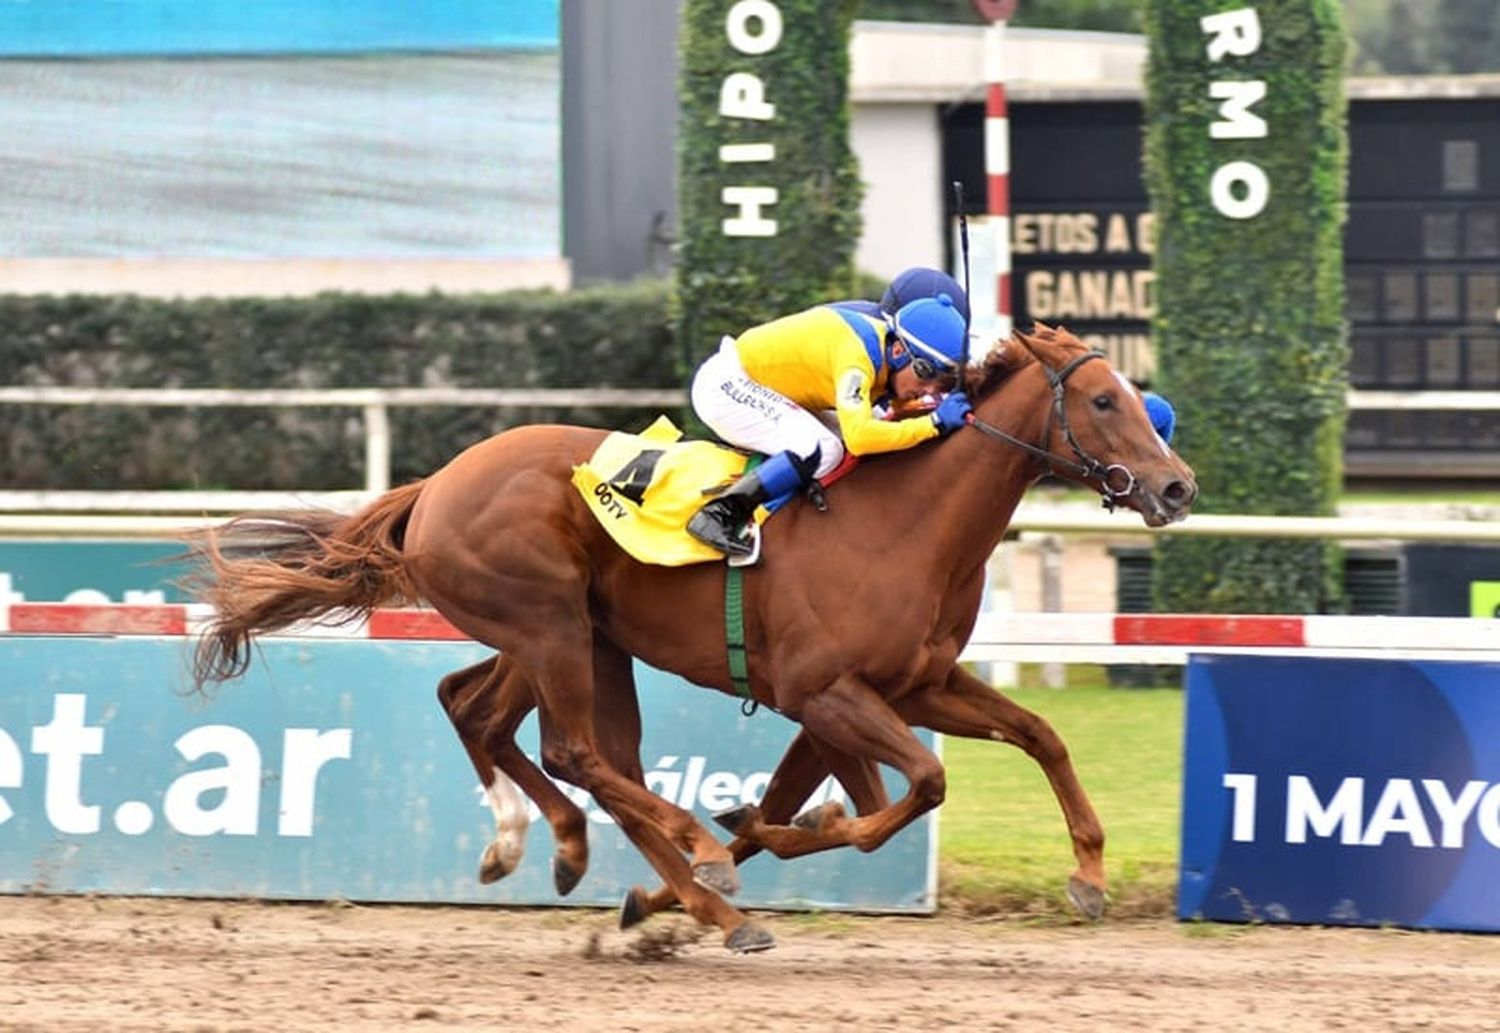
x: 1421, y: 263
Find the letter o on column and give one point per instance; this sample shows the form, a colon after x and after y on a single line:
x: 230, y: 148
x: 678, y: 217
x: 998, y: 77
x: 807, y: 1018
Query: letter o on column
x: 1239, y: 190
x: 736, y: 25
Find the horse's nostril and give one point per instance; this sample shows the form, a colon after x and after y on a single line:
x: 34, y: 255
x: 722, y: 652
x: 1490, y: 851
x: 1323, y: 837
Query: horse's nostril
x: 1179, y: 494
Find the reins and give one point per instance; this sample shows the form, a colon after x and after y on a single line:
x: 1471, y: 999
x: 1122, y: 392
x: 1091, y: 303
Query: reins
x: 1085, y: 466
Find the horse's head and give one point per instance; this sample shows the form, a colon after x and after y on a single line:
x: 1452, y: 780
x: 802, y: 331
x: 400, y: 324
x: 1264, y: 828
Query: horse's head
x: 1096, y: 432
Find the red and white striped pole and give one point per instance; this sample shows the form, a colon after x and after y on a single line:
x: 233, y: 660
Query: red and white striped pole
x: 997, y: 164
x: 997, y: 172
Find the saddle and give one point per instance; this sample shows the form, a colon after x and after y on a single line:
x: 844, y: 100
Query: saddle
x: 643, y: 488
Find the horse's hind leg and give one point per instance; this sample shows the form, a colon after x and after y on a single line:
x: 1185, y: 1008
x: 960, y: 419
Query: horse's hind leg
x: 486, y: 703
x: 551, y: 638
x: 967, y: 706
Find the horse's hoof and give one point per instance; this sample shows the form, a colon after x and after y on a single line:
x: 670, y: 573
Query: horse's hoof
x: 813, y: 818
x: 636, y: 907
x: 1086, y: 897
x: 564, y: 876
x: 737, y: 818
x: 496, y: 864
x: 719, y: 876
x: 748, y: 939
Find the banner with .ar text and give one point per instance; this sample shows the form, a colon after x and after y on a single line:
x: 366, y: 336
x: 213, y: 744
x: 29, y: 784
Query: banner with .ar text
x: 331, y: 771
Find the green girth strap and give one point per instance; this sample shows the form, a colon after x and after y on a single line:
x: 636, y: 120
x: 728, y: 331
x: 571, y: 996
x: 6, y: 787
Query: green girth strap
x: 734, y: 637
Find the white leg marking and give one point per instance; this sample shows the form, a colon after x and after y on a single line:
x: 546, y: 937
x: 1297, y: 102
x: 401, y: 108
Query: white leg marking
x: 511, y: 821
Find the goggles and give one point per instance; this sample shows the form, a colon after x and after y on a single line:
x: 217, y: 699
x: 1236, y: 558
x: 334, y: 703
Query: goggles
x: 927, y: 370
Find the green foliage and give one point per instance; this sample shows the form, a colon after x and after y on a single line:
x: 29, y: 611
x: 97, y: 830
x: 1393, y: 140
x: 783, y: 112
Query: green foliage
x: 727, y: 283
x: 1097, y: 15
x: 1249, y: 331
x: 1424, y: 37
x: 603, y: 337
x: 1093, y: 15
x: 1468, y: 36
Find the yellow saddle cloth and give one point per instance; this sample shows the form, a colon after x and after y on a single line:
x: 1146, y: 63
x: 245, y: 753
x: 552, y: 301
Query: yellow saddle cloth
x: 643, y: 488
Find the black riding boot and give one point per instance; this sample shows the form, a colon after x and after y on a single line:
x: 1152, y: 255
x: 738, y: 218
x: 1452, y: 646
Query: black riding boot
x: 723, y: 521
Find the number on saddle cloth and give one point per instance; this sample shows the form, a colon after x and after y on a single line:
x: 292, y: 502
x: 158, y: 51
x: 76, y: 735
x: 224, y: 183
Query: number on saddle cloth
x: 643, y: 489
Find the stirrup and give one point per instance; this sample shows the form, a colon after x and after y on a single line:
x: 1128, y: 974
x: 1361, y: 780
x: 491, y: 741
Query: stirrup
x: 753, y: 557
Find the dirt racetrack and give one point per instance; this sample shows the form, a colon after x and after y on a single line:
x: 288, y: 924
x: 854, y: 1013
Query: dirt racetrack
x: 139, y: 964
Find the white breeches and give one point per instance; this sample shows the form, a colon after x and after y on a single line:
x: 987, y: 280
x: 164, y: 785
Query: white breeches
x: 750, y: 415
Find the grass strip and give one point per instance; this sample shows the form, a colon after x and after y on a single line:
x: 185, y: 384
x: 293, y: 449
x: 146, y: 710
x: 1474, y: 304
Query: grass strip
x: 1003, y: 845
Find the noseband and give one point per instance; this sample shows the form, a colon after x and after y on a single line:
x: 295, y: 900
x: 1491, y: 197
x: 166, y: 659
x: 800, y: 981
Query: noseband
x: 1084, y: 466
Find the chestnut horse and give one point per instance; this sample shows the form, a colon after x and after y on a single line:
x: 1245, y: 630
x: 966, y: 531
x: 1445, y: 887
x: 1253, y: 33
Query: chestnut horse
x: 854, y: 619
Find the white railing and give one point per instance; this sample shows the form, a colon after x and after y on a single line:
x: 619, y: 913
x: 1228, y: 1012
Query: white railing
x: 1030, y: 518
x: 376, y: 403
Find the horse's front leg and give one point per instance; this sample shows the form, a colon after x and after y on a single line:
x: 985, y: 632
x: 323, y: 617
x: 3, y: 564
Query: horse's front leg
x: 617, y: 723
x: 802, y: 768
x: 854, y: 729
x: 966, y: 706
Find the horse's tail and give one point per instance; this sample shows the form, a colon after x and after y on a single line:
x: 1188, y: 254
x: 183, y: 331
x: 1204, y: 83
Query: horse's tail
x: 262, y: 572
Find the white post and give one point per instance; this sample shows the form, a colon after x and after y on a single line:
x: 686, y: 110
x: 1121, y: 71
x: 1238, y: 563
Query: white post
x: 377, y: 449
x: 1054, y: 674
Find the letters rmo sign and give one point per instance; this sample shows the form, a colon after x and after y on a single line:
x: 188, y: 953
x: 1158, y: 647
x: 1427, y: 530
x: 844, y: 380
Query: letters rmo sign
x: 1237, y: 189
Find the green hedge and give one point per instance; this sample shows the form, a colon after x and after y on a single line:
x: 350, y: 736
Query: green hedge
x: 1250, y: 335
x: 602, y: 337
x: 727, y: 283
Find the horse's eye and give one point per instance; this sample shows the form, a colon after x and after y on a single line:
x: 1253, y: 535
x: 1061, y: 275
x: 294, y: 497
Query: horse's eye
x: 1104, y: 403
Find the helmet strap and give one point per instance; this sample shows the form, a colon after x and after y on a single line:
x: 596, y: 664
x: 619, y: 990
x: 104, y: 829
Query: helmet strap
x: 897, y: 354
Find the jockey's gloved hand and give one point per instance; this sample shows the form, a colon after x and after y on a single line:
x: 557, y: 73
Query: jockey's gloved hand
x: 951, y: 412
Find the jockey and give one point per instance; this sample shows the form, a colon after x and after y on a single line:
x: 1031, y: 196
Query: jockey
x: 909, y: 285
x: 801, y: 388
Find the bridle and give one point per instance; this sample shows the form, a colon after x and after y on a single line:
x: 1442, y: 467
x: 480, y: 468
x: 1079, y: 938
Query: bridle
x: 1085, y: 466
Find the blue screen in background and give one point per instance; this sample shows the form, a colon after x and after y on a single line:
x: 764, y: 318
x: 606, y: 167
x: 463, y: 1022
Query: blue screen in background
x: 116, y: 28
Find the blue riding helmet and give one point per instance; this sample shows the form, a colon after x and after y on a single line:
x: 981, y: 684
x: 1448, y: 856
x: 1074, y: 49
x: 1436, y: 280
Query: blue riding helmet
x: 1163, y: 416
x: 923, y: 282
x: 934, y: 334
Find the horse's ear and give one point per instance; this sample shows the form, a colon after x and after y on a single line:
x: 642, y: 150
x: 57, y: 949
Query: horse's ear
x: 1030, y: 341
x: 1052, y: 345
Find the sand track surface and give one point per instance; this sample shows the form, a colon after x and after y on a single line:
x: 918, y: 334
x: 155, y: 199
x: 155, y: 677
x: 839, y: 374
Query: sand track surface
x: 72, y: 963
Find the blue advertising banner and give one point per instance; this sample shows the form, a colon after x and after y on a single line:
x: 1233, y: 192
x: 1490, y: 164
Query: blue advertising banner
x: 1347, y: 792
x: 331, y: 771
x: 87, y: 571
x: 99, y: 28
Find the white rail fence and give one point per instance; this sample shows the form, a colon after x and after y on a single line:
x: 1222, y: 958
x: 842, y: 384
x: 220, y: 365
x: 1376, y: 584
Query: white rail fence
x: 376, y: 403
x: 998, y: 637
x: 146, y: 514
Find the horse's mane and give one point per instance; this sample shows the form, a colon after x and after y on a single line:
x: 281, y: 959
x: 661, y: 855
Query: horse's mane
x: 1014, y: 353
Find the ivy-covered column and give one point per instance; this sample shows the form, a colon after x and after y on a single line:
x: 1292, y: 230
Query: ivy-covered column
x: 768, y: 187
x: 1245, y: 162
